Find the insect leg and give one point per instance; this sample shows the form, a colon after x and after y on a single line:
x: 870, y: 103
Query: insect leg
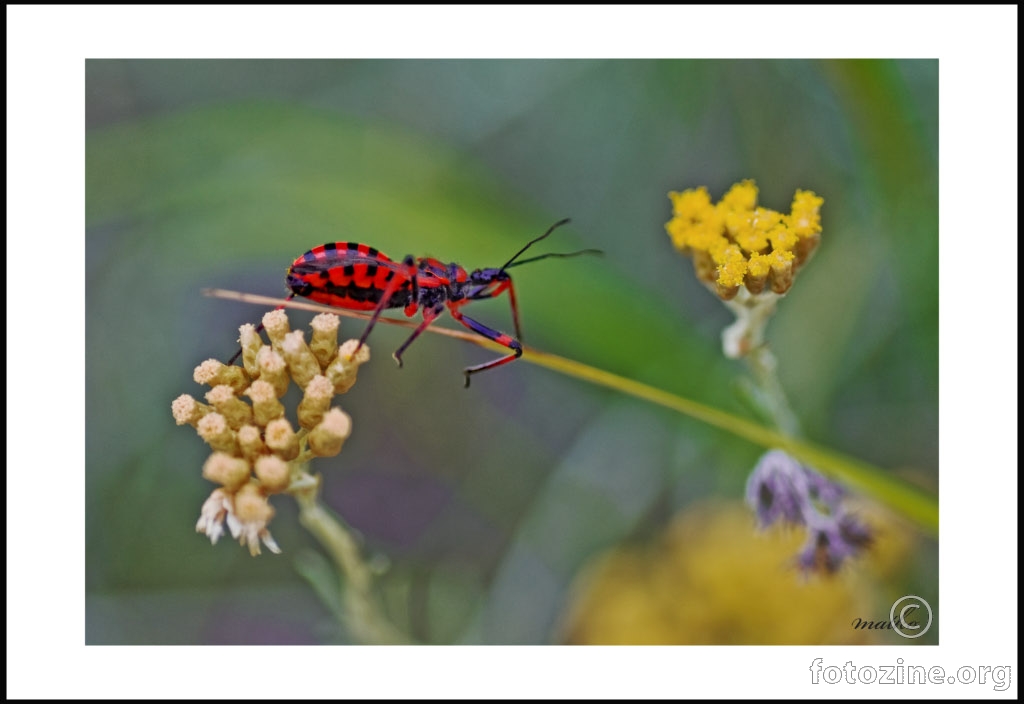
x: 506, y: 285
x: 499, y: 337
x: 393, y: 285
x: 429, y: 316
x: 515, y: 310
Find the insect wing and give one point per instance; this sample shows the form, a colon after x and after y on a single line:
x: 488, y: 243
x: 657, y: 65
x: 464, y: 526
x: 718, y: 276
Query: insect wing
x: 346, y: 278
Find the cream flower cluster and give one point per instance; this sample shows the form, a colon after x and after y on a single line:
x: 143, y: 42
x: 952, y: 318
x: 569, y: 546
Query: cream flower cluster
x: 257, y: 450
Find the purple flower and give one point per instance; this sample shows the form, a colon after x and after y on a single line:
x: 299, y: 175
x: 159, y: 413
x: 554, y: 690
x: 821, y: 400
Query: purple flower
x: 782, y: 489
x: 833, y: 541
x: 778, y: 489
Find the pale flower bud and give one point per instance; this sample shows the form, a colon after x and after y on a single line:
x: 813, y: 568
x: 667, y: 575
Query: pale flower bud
x: 326, y: 439
x: 301, y: 362
x: 253, y: 512
x: 315, y: 402
x: 251, y: 343
x: 187, y: 410
x: 273, y: 370
x: 342, y: 371
x: 235, y: 411
x: 276, y: 324
x: 250, y: 442
x: 265, y: 405
x: 257, y: 438
x: 213, y: 373
x: 273, y: 473
x: 230, y: 472
x: 324, y: 343
x: 281, y: 439
x: 214, y: 429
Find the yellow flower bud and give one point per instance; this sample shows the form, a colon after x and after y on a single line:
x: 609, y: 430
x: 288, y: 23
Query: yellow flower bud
x: 804, y: 217
x: 783, y: 239
x: 726, y: 293
x: 732, y: 265
x: 737, y: 243
x: 757, y: 272
x: 742, y: 196
x: 804, y: 248
x: 704, y: 266
x: 781, y: 275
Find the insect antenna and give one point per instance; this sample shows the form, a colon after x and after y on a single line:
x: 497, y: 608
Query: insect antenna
x: 553, y: 254
x: 533, y: 242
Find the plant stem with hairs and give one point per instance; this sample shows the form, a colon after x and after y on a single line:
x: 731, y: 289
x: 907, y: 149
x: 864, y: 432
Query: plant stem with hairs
x: 359, y: 601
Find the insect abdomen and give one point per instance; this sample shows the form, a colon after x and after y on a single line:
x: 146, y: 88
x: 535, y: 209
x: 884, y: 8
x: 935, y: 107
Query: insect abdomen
x: 347, y: 275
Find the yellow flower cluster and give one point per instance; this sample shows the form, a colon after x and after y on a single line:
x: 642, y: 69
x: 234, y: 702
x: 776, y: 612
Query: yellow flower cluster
x: 256, y: 448
x: 711, y: 580
x: 736, y: 243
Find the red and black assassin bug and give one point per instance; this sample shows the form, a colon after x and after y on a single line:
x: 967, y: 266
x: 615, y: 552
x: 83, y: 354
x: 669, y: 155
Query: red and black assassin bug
x: 358, y: 277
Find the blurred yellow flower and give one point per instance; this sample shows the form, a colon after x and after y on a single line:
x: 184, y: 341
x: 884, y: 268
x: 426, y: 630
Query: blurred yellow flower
x: 711, y: 579
x: 735, y: 243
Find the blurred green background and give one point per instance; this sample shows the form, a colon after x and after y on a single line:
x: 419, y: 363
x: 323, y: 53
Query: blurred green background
x: 486, y: 504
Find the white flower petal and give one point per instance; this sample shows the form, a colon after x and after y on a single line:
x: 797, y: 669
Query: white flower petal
x: 268, y: 540
x: 234, y: 525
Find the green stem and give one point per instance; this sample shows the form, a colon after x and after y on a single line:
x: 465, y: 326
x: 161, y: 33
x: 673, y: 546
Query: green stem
x: 360, y: 605
x: 745, y: 339
x: 904, y: 498
x: 771, y: 395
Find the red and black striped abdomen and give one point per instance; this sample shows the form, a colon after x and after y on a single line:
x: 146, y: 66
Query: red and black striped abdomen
x: 347, y: 275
